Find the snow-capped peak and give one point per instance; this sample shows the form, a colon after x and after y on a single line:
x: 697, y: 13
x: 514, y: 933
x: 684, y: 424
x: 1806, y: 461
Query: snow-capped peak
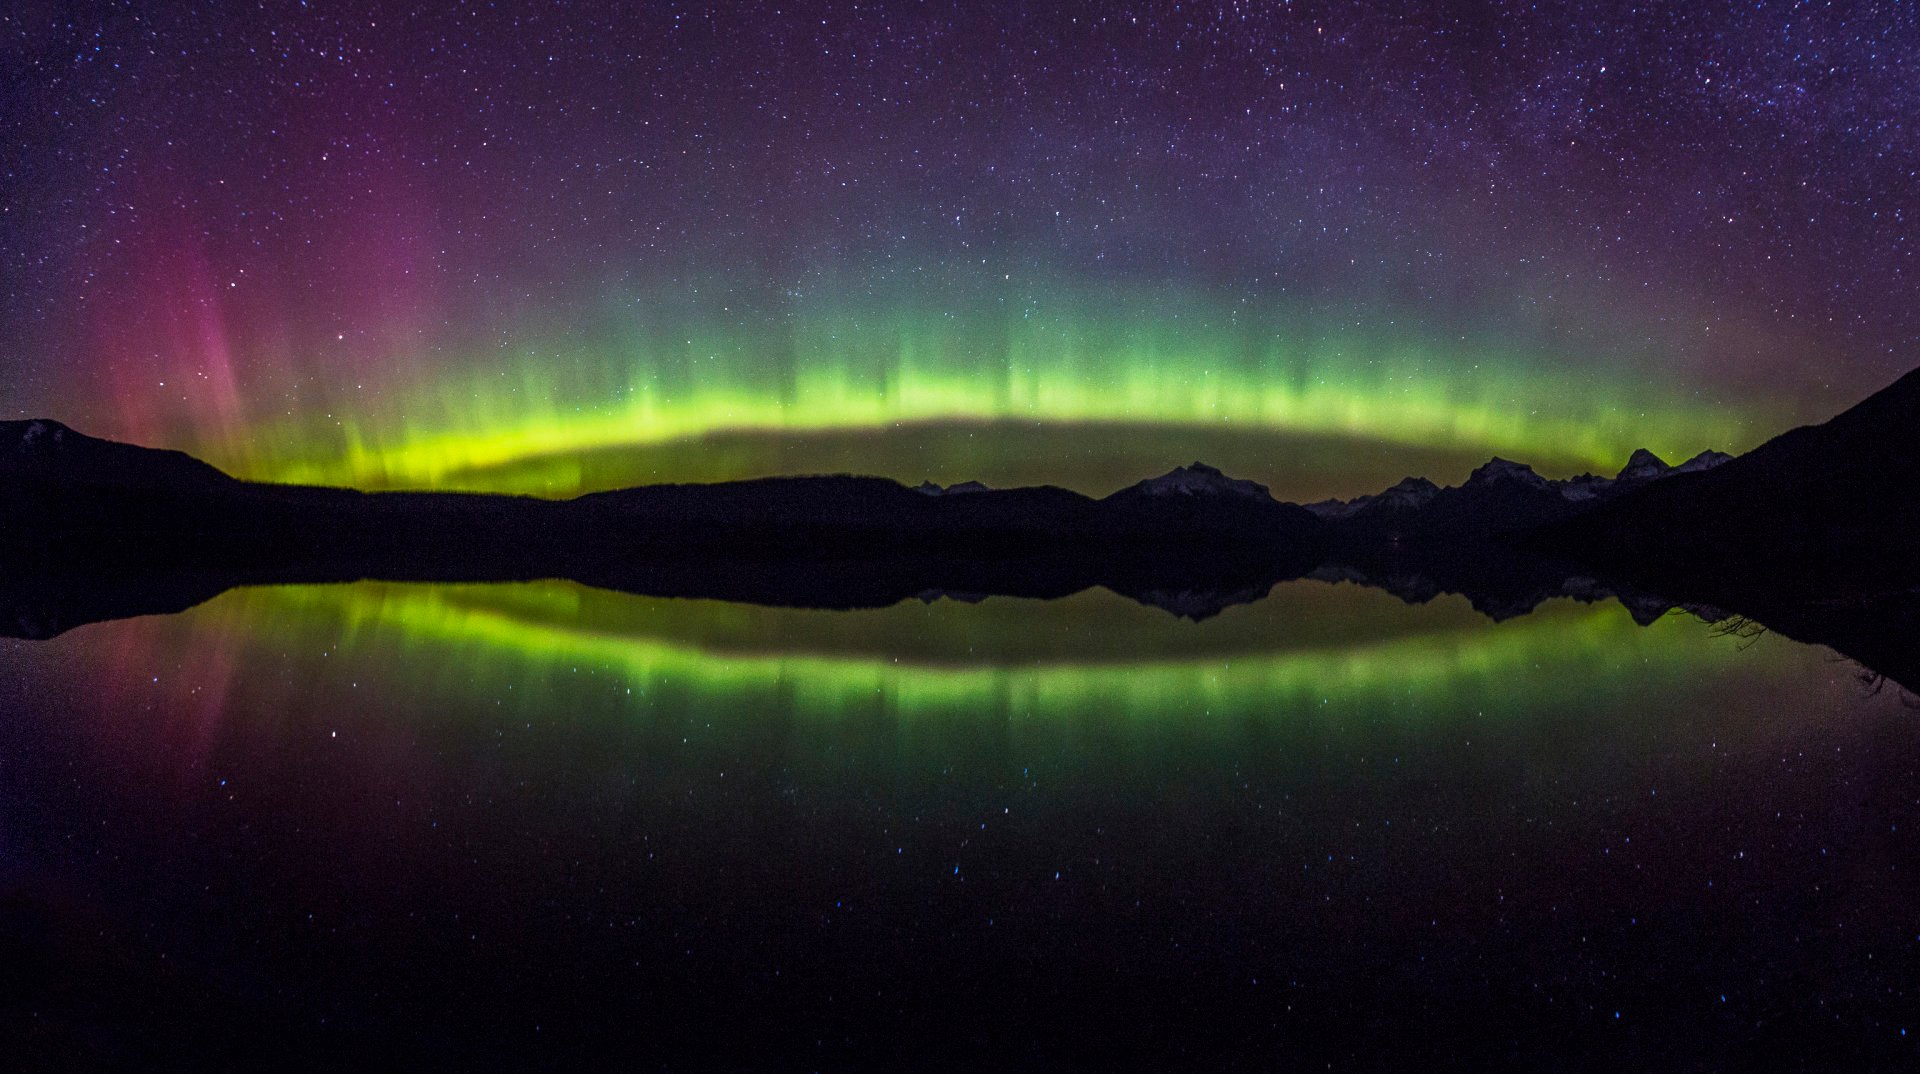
x: 928, y: 488
x: 1706, y: 460
x: 1505, y: 470
x: 1585, y: 487
x: 1200, y: 479
x: 38, y: 435
x: 1410, y: 492
x: 1643, y: 465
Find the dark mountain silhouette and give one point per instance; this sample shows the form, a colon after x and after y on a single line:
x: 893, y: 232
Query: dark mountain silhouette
x: 102, y: 506
x: 839, y: 516
x: 91, y: 529
x: 1821, y: 512
x: 32, y: 451
x: 1498, y: 500
x: 1811, y: 534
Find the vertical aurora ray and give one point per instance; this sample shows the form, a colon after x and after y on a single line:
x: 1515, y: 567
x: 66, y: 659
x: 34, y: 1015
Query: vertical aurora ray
x: 319, y: 264
x: 657, y: 373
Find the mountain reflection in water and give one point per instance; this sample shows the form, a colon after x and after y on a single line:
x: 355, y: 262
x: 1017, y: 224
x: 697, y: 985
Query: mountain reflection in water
x: 511, y: 826
x: 1093, y: 653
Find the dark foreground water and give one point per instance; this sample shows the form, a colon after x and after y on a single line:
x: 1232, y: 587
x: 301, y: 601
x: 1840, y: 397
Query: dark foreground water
x: 410, y: 827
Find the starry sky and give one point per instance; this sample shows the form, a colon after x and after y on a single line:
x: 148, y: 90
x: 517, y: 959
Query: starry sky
x: 549, y: 248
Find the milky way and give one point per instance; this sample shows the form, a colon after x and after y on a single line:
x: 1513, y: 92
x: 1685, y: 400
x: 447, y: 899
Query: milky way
x: 473, y: 248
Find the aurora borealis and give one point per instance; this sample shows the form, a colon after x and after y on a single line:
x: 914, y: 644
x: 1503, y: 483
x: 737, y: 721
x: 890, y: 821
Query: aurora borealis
x: 1613, y: 774
x: 555, y: 249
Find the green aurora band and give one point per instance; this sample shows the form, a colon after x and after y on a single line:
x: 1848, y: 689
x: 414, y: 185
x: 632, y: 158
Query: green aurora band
x: 519, y: 420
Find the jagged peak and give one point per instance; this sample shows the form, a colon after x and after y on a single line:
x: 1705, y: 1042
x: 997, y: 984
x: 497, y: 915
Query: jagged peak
x: 1199, y: 479
x: 1499, y: 469
x: 1643, y: 464
x: 1585, y: 487
x: 1409, y: 492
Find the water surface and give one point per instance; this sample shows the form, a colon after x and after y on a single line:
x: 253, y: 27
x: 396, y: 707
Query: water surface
x: 516, y: 825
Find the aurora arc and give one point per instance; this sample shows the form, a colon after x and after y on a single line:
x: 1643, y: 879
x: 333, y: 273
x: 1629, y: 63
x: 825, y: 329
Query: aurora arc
x: 1135, y: 360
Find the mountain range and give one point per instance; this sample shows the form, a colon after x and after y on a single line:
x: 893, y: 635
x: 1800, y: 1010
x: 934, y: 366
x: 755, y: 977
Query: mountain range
x: 1814, y: 526
x: 1499, y: 497
x: 1820, y: 512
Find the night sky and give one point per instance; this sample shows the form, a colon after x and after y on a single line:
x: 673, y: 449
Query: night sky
x: 549, y: 248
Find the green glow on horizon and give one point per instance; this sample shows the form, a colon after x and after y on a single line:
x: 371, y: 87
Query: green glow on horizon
x: 1147, y: 359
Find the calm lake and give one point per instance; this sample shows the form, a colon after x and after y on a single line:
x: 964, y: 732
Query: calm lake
x: 396, y: 826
